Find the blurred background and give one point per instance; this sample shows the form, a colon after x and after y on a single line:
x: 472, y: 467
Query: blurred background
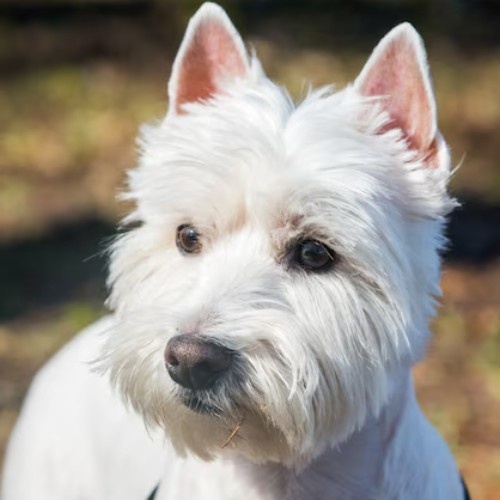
x: 78, y: 77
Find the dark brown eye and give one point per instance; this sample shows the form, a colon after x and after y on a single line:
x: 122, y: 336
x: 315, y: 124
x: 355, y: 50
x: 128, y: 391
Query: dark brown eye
x: 188, y: 239
x: 312, y: 255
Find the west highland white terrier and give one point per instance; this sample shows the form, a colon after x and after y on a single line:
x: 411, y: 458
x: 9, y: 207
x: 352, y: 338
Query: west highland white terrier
x: 269, y: 306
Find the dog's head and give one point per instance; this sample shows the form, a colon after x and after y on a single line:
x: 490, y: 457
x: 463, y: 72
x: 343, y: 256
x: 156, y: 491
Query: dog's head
x: 286, y: 263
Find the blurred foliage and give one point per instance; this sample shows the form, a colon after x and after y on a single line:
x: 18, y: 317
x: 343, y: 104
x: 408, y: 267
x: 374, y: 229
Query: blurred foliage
x: 78, y: 77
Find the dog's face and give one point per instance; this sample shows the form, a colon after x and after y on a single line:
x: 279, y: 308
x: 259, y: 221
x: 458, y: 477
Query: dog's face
x: 286, y: 264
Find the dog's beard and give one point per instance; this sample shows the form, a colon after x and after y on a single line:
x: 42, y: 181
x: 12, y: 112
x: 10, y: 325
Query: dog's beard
x: 211, y: 425
x: 204, y: 422
x: 272, y: 408
x: 204, y: 404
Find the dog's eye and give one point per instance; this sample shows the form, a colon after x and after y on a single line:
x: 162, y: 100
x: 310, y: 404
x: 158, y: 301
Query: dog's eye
x: 312, y: 255
x: 188, y: 239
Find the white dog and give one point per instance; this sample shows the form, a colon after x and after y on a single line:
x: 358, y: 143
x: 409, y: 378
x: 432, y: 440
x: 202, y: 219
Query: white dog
x: 269, y: 307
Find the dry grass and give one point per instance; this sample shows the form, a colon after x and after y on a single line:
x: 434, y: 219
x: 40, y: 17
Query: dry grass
x: 459, y: 382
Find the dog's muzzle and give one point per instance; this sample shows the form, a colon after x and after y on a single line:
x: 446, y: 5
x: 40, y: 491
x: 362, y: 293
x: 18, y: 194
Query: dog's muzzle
x: 195, y: 362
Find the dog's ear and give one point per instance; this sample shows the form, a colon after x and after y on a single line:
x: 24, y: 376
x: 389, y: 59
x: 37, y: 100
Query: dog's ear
x: 397, y: 71
x: 211, y: 54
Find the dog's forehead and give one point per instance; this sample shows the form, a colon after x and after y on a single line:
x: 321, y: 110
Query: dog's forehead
x: 255, y: 152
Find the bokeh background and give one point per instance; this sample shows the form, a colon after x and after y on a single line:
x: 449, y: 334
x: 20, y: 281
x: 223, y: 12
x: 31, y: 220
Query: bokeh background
x: 77, y: 79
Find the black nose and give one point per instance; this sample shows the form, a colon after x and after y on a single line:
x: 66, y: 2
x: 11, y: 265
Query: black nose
x: 195, y: 362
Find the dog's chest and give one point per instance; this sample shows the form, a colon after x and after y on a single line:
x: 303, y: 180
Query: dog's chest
x: 197, y: 480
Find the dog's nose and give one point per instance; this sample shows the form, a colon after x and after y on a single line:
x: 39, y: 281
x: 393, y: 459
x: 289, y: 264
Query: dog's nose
x: 195, y: 362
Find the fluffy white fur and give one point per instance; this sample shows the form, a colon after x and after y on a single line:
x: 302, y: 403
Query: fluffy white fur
x: 322, y: 393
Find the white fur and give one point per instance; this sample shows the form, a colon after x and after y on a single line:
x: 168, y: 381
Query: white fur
x: 75, y: 440
x: 323, y: 395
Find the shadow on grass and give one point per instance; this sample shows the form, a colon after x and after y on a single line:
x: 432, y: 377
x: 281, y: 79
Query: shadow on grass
x: 69, y: 262
x: 65, y: 264
x: 474, y: 232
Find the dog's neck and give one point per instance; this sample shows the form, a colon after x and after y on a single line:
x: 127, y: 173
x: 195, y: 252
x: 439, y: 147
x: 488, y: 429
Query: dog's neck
x: 396, y: 455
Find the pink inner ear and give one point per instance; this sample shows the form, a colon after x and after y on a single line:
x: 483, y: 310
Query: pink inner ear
x: 398, y: 74
x: 211, y: 56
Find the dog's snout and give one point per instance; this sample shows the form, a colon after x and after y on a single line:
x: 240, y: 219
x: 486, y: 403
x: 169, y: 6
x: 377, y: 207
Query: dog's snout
x: 195, y: 362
